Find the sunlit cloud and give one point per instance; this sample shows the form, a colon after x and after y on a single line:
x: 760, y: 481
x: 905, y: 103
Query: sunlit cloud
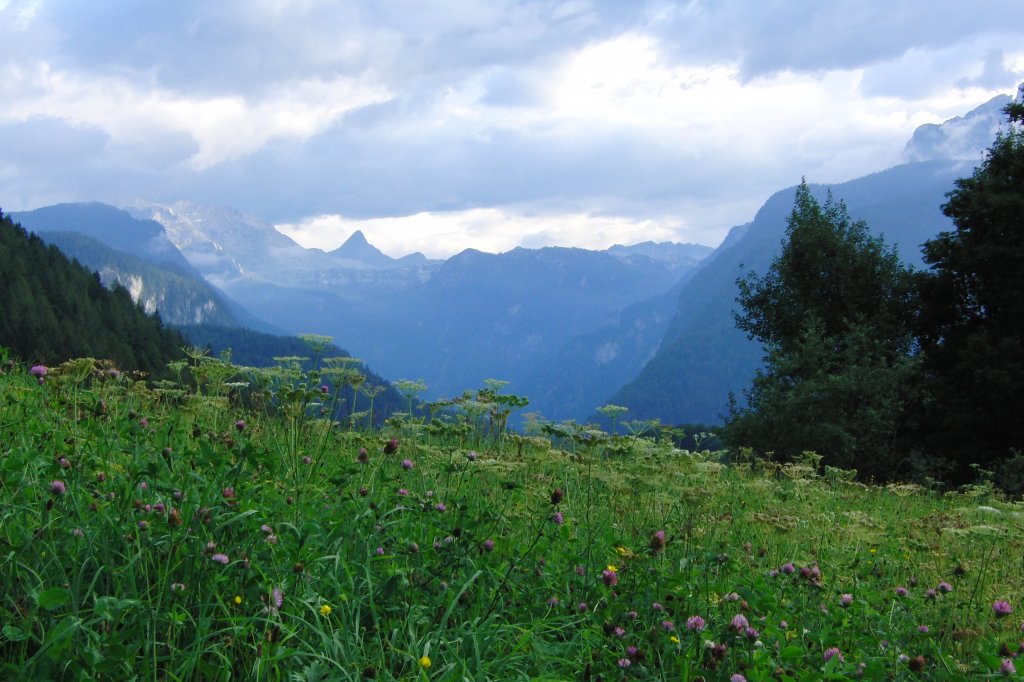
x: 440, y: 235
x: 223, y: 128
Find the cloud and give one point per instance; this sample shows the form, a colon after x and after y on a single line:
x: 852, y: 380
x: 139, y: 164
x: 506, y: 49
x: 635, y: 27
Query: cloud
x: 678, y: 116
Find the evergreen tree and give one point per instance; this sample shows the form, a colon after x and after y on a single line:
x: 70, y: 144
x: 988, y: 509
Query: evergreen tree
x: 972, y: 319
x: 833, y: 312
x: 53, y: 309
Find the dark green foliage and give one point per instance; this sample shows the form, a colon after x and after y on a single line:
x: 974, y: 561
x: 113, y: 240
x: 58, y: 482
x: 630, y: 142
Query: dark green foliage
x: 972, y: 320
x: 833, y: 313
x: 703, y: 356
x: 52, y: 309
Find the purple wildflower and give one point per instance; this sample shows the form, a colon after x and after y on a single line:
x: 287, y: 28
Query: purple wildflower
x: 788, y: 568
x: 668, y: 625
x: 610, y: 577
x: 737, y: 678
x: 440, y: 507
x: 488, y: 545
x: 657, y: 606
x: 391, y: 447
x: 901, y: 592
x: 380, y: 551
x: 923, y: 629
x: 739, y: 623
x: 831, y: 653
x: 277, y: 597
x: 930, y: 593
x: 403, y: 492
x: 845, y: 600
x: 558, y: 518
x: 1007, y: 667
x: 38, y: 371
x: 471, y: 456
x: 57, y: 487
x: 407, y: 464
x: 581, y: 607
x: 695, y: 623
x: 619, y: 632
x: 944, y: 587
x: 625, y: 662
x: 240, y: 425
x: 221, y: 558
x: 657, y: 542
x: 363, y: 456
x: 1001, y: 607
x: 553, y: 602
x: 751, y: 633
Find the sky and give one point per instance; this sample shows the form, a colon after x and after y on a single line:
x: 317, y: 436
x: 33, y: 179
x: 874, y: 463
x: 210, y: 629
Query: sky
x: 436, y: 126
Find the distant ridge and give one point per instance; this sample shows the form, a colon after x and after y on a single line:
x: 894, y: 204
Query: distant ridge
x: 703, y: 358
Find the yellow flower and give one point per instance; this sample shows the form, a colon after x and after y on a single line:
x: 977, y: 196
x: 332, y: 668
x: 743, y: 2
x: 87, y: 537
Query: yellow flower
x: 874, y: 550
x: 674, y: 639
x: 613, y: 569
x: 625, y: 552
x: 424, y: 661
x: 238, y: 600
x: 325, y: 610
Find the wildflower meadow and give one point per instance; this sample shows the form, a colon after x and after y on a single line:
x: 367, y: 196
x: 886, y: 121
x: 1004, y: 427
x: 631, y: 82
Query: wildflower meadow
x: 235, y: 523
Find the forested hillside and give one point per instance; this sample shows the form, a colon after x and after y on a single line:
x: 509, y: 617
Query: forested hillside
x: 53, y: 309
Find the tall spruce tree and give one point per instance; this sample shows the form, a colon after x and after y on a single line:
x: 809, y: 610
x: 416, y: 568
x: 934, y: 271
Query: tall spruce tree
x: 833, y: 312
x: 972, y: 318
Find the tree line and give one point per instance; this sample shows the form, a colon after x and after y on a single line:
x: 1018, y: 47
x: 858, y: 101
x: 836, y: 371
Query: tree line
x: 896, y: 373
x: 53, y: 309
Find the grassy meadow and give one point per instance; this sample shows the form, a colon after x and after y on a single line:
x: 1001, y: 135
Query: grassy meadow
x: 219, y: 527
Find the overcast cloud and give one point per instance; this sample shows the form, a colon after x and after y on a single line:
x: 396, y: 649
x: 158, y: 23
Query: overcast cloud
x: 437, y: 126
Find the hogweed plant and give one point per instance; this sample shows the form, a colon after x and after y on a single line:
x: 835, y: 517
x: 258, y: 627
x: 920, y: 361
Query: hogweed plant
x: 153, y: 538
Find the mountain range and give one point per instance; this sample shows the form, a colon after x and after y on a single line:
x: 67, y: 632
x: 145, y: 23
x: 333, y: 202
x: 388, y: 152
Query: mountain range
x: 647, y: 326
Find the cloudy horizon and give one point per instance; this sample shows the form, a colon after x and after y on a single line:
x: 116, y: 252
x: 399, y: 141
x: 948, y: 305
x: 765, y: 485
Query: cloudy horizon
x: 446, y: 125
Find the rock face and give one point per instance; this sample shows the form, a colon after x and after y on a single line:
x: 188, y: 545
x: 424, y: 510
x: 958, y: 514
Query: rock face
x: 964, y: 137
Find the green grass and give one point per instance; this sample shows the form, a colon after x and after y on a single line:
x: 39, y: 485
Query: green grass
x: 116, y: 577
